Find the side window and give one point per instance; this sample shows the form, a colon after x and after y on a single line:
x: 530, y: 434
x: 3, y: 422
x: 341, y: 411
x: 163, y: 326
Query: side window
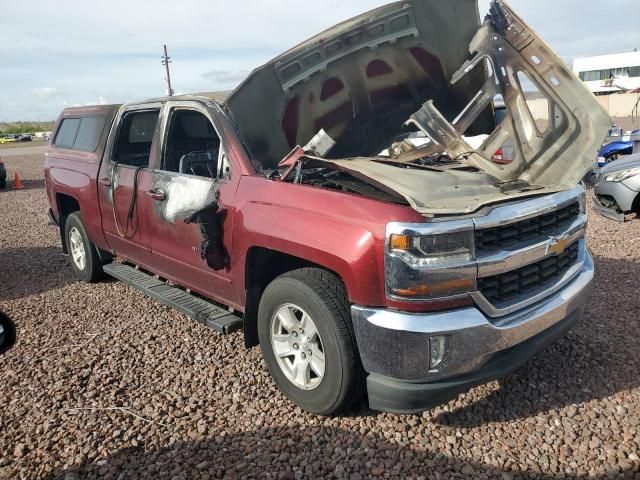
x: 192, y: 145
x: 80, y: 133
x: 89, y: 133
x: 133, y: 144
x: 67, y: 132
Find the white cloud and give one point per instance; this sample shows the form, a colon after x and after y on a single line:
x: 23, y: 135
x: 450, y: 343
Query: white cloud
x: 45, y: 93
x: 226, y: 77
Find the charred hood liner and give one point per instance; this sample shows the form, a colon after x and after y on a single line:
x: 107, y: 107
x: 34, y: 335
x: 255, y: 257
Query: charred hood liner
x: 359, y: 80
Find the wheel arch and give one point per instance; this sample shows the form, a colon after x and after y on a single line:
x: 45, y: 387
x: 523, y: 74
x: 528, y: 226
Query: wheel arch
x: 66, y: 205
x: 262, y: 266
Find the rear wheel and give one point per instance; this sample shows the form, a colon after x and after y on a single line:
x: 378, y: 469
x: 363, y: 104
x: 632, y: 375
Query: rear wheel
x: 3, y: 183
x: 82, y: 252
x: 307, y: 340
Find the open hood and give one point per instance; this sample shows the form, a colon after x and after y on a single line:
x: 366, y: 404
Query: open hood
x: 429, y: 69
x: 360, y: 80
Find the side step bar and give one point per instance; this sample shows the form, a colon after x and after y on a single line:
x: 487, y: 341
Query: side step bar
x: 213, y: 316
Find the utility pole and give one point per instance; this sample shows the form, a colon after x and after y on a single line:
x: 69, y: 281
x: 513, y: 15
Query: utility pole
x: 166, y: 60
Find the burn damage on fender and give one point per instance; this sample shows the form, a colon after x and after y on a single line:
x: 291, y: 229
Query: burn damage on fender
x: 211, y: 249
x: 195, y: 201
x: 407, y: 92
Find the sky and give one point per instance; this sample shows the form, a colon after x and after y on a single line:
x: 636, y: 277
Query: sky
x: 75, y: 52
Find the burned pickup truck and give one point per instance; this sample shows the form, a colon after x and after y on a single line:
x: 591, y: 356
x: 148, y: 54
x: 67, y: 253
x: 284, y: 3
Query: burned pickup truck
x: 342, y: 207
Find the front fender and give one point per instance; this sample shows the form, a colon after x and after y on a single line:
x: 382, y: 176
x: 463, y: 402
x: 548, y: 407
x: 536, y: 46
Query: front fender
x: 350, y: 251
x: 625, y: 148
x: 341, y: 232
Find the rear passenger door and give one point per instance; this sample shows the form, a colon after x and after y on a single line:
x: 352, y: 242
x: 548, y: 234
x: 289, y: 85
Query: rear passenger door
x: 192, y: 222
x: 125, y: 180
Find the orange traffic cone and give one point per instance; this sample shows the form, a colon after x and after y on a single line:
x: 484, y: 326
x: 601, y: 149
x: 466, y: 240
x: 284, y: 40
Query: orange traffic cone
x: 17, y: 184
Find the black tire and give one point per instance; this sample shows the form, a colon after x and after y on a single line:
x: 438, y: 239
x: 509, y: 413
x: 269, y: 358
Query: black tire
x: 92, y: 271
x: 3, y: 184
x: 613, y: 157
x: 322, y: 295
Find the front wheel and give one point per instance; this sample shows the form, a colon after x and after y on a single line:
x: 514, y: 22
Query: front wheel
x: 613, y: 157
x: 307, y: 340
x: 82, y: 252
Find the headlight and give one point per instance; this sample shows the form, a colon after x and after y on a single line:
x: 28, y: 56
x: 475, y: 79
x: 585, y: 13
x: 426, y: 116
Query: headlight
x: 430, y: 261
x: 423, y: 251
x: 621, y: 176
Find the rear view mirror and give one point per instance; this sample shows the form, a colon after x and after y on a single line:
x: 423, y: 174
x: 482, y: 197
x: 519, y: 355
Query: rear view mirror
x: 7, y: 333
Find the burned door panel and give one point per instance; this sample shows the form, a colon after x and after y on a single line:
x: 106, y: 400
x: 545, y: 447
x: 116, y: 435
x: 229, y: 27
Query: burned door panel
x: 191, y: 229
x: 193, y: 201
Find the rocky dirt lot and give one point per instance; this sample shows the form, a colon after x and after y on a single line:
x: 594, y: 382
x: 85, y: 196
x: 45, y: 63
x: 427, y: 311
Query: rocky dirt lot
x: 105, y: 382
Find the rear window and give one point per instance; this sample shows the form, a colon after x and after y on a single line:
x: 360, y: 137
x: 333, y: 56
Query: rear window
x: 80, y: 133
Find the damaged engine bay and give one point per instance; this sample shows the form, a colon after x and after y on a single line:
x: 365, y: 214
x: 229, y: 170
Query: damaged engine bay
x: 371, y: 101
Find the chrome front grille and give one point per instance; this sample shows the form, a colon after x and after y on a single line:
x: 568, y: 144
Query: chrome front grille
x: 529, y: 250
x: 526, y: 231
x: 504, y: 289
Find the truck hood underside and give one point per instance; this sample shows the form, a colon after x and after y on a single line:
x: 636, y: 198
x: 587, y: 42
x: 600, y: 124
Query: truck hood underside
x: 426, y: 69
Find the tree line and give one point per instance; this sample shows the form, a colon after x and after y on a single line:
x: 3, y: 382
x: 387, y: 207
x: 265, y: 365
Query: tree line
x: 25, y: 127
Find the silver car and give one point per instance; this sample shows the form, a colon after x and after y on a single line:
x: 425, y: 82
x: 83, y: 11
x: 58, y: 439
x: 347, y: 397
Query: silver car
x: 617, y: 191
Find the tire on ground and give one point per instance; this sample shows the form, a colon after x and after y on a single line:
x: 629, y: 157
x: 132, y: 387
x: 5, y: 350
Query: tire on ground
x: 92, y: 270
x: 322, y: 296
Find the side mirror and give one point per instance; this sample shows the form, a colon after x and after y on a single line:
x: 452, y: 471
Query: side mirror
x: 7, y: 333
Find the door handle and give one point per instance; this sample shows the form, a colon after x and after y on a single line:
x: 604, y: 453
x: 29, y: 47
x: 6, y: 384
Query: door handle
x: 105, y: 181
x: 158, y: 195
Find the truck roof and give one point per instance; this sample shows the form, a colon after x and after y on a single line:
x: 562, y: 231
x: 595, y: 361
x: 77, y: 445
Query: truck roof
x: 87, y: 110
x: 218, y: 97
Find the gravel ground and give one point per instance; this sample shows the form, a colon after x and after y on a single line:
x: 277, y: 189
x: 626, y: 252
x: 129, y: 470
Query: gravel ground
x: 105, y: 382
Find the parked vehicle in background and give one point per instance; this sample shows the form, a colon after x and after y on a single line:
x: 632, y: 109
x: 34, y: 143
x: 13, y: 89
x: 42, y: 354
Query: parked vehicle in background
x: 7, y: 139
x: 618, y: 145
x: 411, y: 276
x: 3, y: 174
x: 25, y: 138
x: 617, y: 189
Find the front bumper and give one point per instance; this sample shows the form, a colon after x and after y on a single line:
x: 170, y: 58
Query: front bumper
x: 619, y: 192
x: 394, y: 346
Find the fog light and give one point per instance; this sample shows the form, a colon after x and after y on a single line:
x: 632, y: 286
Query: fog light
x: 439, y: 350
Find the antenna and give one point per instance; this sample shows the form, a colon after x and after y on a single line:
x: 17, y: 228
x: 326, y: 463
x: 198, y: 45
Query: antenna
x: 166, y: 60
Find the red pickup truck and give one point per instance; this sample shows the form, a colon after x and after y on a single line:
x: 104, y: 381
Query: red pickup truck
x: 341, y: 206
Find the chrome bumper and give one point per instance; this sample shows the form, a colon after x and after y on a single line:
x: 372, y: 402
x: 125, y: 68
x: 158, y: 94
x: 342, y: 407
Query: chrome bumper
x: 395, y: 345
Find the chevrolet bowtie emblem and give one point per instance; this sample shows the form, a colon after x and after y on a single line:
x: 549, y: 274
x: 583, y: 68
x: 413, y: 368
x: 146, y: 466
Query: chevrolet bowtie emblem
x: 557, y: 245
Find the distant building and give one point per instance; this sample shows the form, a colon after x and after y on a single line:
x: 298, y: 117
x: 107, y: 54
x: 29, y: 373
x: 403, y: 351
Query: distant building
x: 609, y: 73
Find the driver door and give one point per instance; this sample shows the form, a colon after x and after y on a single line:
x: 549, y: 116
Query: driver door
x: 191, y: 220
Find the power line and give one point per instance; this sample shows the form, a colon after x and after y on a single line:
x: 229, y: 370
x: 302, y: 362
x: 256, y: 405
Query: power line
x: 166, y: 60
